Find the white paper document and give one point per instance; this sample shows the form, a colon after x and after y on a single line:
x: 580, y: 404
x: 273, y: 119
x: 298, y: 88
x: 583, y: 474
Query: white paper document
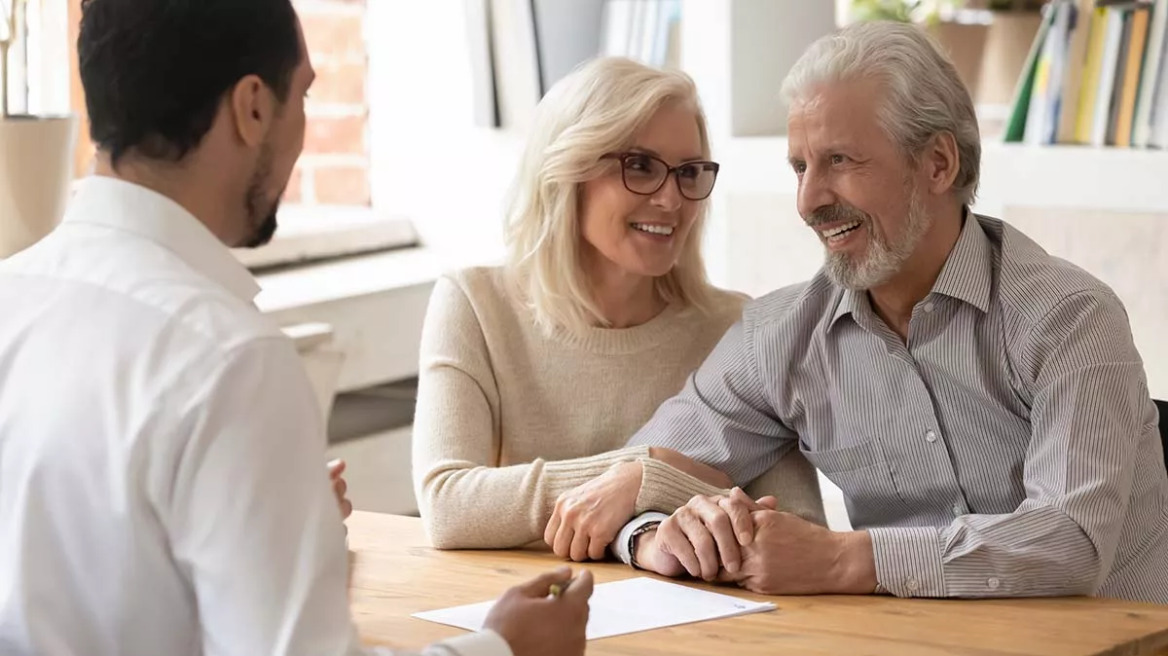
x: 629, y: 606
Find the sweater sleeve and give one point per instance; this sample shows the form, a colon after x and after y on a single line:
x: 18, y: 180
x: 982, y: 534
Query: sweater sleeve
x: 792, y: 481
x: 466, y: 501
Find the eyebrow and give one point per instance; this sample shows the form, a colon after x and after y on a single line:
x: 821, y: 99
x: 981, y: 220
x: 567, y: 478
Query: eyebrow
x: 829, y: 149
x: 650, y: 151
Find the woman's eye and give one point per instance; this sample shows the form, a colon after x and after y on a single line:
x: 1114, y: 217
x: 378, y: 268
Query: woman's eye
x: 637, y: 163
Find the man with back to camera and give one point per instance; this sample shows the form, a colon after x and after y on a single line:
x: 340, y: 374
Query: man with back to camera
x: 161, y: 488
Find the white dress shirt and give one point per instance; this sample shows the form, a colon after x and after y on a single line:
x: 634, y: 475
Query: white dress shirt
x: 162, y: 478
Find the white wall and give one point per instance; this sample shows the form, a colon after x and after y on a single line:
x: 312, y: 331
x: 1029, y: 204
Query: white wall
x: 1105, y: 210
x: 429, y: 161
x: 569, y: 33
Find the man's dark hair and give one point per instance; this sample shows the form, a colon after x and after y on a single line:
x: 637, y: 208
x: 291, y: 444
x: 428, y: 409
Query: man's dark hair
x: 155, y: 71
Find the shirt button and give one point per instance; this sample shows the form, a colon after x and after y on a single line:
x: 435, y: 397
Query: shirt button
x: 912, y: 585
x: 993, y: 584
x: 958, y: 510
x: 930, y: 437
x: 929, y: 307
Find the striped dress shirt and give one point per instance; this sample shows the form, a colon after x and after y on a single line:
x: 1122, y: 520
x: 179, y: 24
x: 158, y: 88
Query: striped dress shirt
x: 1008, y: 447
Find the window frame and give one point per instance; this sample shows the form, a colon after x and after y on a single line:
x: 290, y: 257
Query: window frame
x: 310, y: 232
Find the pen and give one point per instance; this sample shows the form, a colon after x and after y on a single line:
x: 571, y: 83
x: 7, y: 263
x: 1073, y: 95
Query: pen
x: 557, y: 589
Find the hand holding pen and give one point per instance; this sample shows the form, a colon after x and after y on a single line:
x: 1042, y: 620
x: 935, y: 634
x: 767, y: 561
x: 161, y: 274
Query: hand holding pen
x: 551, y: 609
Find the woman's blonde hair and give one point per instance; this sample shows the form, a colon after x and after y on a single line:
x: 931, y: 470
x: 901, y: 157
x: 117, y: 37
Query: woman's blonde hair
x: 596, y: 110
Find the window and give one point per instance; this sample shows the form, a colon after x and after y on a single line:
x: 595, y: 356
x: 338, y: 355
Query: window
x: 334, y: 169
x: 329, y: 199
x: 39, y: 47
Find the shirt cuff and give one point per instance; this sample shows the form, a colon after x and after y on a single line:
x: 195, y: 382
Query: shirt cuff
x: 483, y: 643
x: 620, y: 546
x: 909, y: 561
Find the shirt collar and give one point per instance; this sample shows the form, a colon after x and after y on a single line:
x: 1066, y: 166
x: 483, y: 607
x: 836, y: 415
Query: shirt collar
x: 850, y: 303
x: 967, y: 274
x: 131, y: 208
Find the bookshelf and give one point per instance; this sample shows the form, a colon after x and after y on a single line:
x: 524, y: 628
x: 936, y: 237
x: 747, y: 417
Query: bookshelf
x: 1096, y: 74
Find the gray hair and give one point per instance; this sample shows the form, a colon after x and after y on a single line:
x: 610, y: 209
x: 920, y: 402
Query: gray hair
x: 925, y: 96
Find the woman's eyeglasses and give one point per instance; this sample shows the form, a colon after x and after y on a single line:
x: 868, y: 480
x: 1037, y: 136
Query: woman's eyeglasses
x: 645, y: 174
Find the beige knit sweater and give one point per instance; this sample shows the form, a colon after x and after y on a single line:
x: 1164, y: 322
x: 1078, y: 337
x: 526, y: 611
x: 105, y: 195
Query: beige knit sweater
x: 509, y: 417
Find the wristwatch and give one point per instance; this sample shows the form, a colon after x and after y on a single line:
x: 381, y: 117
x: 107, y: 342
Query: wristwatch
x: 641, y: 530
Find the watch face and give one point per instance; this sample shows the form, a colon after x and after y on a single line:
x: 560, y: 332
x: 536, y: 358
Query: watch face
x: 652, y: 526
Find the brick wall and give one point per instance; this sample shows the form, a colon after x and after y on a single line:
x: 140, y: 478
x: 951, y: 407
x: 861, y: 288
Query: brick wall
x: 335, y: 166
x: 334, y: 169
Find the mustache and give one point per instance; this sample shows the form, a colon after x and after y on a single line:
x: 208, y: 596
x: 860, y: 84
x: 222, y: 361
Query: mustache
x: 835, y: 213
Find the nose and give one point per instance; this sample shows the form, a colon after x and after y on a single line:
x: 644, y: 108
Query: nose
x: 668, y: 198
x: 814, y: 192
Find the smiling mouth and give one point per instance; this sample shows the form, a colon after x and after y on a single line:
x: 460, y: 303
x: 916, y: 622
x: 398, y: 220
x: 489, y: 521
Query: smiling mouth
x: 664, y: 231
x: 839, y: 232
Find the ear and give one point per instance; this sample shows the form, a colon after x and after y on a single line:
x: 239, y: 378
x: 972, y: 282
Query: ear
x: 253, y: 108
x: 941, y: 163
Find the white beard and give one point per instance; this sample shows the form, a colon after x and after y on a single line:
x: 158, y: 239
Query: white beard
x: 881, y: 261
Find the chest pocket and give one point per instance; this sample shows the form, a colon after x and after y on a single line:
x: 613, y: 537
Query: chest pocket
x: 862, y: 473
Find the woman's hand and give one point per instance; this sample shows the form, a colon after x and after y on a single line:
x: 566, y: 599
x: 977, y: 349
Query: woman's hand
x: 587, y: 518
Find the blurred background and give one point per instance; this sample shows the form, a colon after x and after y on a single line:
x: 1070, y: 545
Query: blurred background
x: 420, y: 111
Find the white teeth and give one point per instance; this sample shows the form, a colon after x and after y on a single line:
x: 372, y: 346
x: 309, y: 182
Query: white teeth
x: 654, y: 229
x: 840, y: 230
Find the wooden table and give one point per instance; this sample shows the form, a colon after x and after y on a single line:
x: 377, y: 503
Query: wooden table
x: 396, y: 573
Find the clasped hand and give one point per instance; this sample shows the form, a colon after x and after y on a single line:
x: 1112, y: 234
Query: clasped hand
x: 739, y: 540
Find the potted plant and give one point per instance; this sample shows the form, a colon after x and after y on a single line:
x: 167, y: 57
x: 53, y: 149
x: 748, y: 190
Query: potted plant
x: 1012, y: 31
x: 988, y: 45
x: 1007, y: 5
x: 915, y: 11
x: 965, y: 42
x: 35, y: 151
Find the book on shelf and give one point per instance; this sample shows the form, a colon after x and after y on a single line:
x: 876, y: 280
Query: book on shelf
x: 1111, y: 113
x: 1151, y: 75
x: 1091, y: 80
x: 1136, y: 37
x: 1046, y: 97
x: 1074, y: 80
x: 1023, y: 92
x: 1096, y: 74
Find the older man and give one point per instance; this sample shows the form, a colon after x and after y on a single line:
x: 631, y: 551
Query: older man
x: 979, y: 402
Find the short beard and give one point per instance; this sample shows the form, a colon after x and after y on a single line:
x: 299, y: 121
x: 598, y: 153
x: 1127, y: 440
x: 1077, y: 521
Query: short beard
x: 261, y: 214
x: 882, y: 260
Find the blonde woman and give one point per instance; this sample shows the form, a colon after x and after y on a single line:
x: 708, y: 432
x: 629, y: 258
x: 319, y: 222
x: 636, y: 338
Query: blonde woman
x: 534, y: 374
